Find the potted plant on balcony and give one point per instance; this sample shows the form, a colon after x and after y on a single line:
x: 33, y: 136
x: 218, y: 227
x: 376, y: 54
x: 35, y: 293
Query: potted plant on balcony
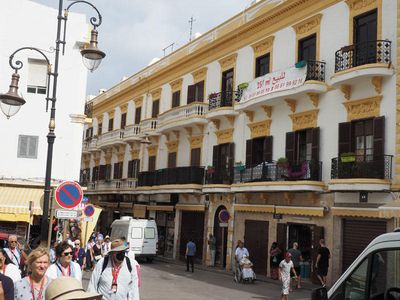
x: 239, y: 166
x: 283, y: 163
x: 348, y: 157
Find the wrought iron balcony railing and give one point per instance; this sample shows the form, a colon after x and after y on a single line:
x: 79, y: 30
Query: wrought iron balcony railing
x: 271, y: 171
x: 362, y: 166
x: 222, y: 99
x: 315, y: 70
x: 179, y: 175
x: 363, y: 53
x: 219, y: 176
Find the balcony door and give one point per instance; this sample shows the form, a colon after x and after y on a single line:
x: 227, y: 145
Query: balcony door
x: 223, y: 160
x: 365, y: 36
x: 227, y: 88
x: 302, y: 145
x: 172, y: 160
x: 308, y: 48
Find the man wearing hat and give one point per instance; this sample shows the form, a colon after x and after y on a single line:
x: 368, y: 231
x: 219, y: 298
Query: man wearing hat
x: 285, y: 267
x: 115, y: 276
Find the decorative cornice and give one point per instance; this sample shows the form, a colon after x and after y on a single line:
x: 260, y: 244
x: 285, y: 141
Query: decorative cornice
x: 249, y: 114
x: 200, y: 74
x: 292, y: 104
x: 303, y: 120
x: 358, y: 6
x: 224, y: 136
x: 346, y: 90
x: 156, y: 94
x: 377, y: 83
x: 308, y: 26
x: 111, y: 114
x: 363, y: 108
x: 228, y: 62
x: 260, y: 129
x: 124, y: 108
x: 99, y: 119
x: 189, y: 131
x: 230, y: 119
x: 314, y: 98
x: 263, y: 46
x: 176, y: 85
x: 135, y: 153
x: 216, y: 123
x: 121, y: 156
x: 172, y: 146
x: 196, y: 141
x: 138, y: 101
x: 268, y: 110
x: 152, y: 150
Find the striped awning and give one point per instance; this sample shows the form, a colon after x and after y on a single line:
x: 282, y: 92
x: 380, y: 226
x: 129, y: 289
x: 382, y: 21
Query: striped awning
x: 14, y: 202
x: 309, y: 211
x: 190, y: 207
x: 160, y: 207
x: 361, y: 212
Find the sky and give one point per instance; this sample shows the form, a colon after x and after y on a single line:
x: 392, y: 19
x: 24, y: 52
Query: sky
x: 134, y: 32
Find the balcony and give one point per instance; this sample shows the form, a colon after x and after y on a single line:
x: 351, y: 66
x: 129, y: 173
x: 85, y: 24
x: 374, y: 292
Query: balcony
x: 294, y: 83
x: 132, y: 133
x: 148, y: 127
x: 92, y: 144
x: 111, y: 138
x: 219, y: 176
x: 169, y: 176
x: 367, y: 59
x: 104, y: 186
x: 222, y: 104
x: 271, y: 176
x: 359, y: 172
x: 183, y: 116
x: 85, y: 146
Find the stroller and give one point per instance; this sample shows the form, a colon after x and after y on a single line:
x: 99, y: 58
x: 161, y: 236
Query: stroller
x: 244, y: 272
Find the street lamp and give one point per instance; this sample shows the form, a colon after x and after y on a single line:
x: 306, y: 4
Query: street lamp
x: 12, y: 101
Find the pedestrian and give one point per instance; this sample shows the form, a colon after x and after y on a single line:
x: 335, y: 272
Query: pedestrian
x: 8, y: 268
x: 6, y: 288
x: 296, y: 259
x: 52, y: 252
x: 322, y: 262
x: 114, y: 277
x: 89, y: 254
x: 190, y: 253
x: 212, y: 245
x: 131, y: 256
x: 286, y: 267
x: 66, y: 288
x: 34, y: 285
x: 14, y: 251
x: 106, y: 245
x: 97, y: 249
x: 275, y: 255
x: 79, y: 254
x: 241, y: 251
x: 64, y: 266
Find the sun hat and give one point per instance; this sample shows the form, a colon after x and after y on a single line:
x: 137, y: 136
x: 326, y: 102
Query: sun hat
x: 107, y: 237
x: 118, y: 246
x: 288, y: 254
x: 65, y: 288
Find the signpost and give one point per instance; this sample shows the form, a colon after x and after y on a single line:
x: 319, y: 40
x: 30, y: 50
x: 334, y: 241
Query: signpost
x: 223, y: 217
x: 88, y: 210
x: 69, y: 194
x: 66, y: 214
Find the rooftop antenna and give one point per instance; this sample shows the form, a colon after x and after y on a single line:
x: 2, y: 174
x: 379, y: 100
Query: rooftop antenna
x: 191, y: 27
x: 169, y: 46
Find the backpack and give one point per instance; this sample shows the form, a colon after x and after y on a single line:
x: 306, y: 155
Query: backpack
x: 105, y: 263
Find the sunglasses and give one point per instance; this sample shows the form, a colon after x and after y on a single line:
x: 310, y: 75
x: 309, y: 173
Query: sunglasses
x: 77, y: 244
x: 67, y: 253
x: 13, y: 242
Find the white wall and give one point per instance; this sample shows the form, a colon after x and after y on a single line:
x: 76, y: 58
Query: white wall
x: 26, y: 23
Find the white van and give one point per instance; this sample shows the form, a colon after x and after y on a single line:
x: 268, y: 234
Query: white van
x: 374, y: 275
x: 141, y: 235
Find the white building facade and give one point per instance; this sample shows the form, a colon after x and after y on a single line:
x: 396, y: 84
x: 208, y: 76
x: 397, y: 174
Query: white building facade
x: 309, y: 151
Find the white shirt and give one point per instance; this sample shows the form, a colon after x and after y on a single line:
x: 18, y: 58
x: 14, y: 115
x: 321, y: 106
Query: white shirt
x: 12, y: 271
x: 106, y: 247
x: 15, y: 255
x: 240, y: 252
x: 54, y: 271
x: 286, y: 267
x: 127, y: 283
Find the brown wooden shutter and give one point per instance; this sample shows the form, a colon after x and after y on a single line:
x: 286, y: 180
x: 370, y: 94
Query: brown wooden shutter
x: 344, y: 143
x: 176, y: 97
x: 123, y: 120
x: 110, y: 124
x: 267, y: 149
x: 172, y: 160
x: 200, y: 91
x: 231, y: 159
x: 315, y: 144
x: 379, y: 136
x: 195, y: 157
x: 290, y: 146
x: 249, y: 153
x: 138, y: 113
x: 191, y: 93
x: 215, y: 158
x: 152, y: 163
x: 156, y: 108
x: 130, y: 168
x: 116, y: 171
x: 281, y: 236
x: 136, y: 168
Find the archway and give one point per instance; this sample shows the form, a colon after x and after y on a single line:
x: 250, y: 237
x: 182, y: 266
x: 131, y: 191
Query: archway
x: 221, y: 236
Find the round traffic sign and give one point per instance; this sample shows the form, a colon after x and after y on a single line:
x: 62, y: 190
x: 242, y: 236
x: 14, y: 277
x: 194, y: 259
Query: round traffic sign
x: 224, y: 216
x: 88, y: 210
x: 69, y: 194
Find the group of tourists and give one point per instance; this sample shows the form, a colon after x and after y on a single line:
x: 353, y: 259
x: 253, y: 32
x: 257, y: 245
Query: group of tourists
x: 57, y: 274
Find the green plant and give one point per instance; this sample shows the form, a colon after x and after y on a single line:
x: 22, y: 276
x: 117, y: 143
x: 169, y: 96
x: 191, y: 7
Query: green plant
x: 282, y: 160
x: 243, y: 85
x: 348, y: 157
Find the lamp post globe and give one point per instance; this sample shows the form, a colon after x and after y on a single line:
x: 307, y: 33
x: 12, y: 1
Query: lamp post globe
x: 92, y: 56
x: 11, y: 102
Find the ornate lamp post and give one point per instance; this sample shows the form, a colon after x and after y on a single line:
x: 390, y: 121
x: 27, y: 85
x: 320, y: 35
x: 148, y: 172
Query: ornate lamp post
x: 11, y: 101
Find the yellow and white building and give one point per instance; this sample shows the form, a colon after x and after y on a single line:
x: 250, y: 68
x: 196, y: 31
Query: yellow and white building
x: 308, y: 151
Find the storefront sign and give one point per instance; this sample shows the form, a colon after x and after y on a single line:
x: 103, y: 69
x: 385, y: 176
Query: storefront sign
x: 274, y: 82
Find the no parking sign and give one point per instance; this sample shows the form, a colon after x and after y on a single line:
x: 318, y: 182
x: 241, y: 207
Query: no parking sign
x: 69, y: 194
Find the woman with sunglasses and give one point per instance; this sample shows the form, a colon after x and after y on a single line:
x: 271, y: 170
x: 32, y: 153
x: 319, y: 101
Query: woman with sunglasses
x: 64, y: 266
x: 34, y: 285
x: 8, y: 268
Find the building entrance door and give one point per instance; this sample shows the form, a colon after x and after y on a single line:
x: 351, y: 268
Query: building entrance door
x: 256, y: 241
x: 192, y: 227
x: 221, y: 236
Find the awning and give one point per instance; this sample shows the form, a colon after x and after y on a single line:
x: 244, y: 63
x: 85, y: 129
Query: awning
x: 190, y: 207
x: 14, y: 202
x: 254, y: 208
x: 160, y: 207
x: 309, y: 211
x: 355, y: 212
x: 390, y: 210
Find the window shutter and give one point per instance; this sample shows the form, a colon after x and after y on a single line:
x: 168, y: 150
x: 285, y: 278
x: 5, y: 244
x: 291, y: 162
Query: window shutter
x: 249, y: 154
x: 138, y: 113
x: 116, y: 170
x: 290, y: 146
x: 32, y: 146
x: 37, y: 75
x: 156, y: 108
x: 200, y: 91
x: 267, y: 149
x: 379, y: 136
x: 136, y: 168
x: 100, y: 129
x: 152, y: 163
x: 172, y: 160
x: 315, y: 144
x: 110, y: 124
x: 23, y: 146
x: 176, y: 99
x: 123, y: 120
x: 108, y: 172
x: 215, y: 157
x: 344, y: 138
x: 231, y: 159
x: 195, y: 157
x: 130, y: 168
x: 191, y: 93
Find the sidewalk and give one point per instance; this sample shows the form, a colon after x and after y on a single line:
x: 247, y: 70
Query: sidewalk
x: 306, y: 283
